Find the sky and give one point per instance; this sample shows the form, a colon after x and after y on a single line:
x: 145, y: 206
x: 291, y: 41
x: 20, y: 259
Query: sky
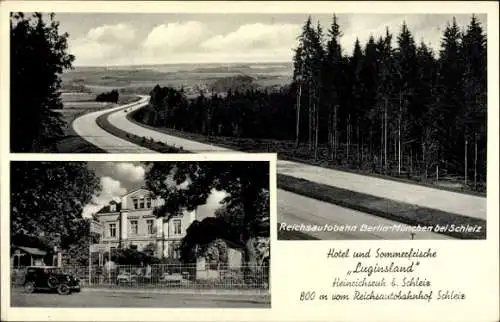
x: 104, y: 39
x: 118, y: 178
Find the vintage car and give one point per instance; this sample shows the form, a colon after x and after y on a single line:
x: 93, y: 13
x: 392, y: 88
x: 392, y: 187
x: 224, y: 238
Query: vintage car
x: 49, y: 278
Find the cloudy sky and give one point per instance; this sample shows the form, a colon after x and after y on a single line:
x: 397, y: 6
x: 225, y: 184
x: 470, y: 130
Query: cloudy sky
x: 100, y: 39
x: 118, y: 178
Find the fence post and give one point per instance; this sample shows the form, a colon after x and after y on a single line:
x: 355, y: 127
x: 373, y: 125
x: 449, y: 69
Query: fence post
x: 90, y: 261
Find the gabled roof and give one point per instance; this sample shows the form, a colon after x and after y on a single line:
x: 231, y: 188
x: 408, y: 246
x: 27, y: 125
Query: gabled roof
x: 107, y: 209
x: 136, y: 190
x: 32, y: 250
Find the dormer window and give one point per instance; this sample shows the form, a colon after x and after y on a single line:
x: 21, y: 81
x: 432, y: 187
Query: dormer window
x: 112, y: 208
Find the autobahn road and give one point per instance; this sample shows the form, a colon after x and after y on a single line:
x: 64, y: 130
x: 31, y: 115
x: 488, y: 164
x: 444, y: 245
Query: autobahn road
x: 453, y: 202
x: 133, y: 299
x: 86, y: 127
x: 292, y: 208
x: 297, y: 209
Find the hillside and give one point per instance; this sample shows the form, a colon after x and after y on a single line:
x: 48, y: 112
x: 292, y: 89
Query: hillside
x: 235, y: 83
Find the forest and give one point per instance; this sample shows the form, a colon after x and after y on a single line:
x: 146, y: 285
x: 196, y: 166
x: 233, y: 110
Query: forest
x: 392, y: 106
x: 111, y: 96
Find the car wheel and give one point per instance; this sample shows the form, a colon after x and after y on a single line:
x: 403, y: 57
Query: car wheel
x: 63, y: 289
x: 29, y: 287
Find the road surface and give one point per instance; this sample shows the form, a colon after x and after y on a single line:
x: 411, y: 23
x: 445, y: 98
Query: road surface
x: 119, y: 120
x: 297, y: 209
x: 129, y: 299
x: 86, y: 127
x: 457, y: 203
x: 292, y: 208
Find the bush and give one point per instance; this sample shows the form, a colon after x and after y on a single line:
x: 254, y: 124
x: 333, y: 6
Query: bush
x: 127, y: 256
x: 108, y: 97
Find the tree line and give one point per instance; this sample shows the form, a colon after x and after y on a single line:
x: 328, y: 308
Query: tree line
x: 401, y: 110
x: 252, y: 113
x: 111, y: 96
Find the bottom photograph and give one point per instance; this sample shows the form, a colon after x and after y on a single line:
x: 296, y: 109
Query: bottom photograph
x: 140, y: 234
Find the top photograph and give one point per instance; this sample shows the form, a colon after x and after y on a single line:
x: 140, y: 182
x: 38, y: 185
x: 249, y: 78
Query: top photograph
x: 384, y: 114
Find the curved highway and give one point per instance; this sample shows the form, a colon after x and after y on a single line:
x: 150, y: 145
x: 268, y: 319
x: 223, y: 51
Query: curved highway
x: 292, y: 208
x: 86, y: 127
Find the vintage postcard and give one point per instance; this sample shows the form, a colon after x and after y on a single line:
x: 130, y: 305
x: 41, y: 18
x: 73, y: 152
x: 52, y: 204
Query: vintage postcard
x: 153, y: 153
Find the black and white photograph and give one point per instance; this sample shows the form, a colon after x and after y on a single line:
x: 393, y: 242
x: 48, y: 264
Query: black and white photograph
x: 378, y: 120
x: 147, y: 234
x: 153, y: 154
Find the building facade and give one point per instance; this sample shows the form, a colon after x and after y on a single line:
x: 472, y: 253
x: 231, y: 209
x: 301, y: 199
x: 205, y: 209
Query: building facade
x: 130, y: 222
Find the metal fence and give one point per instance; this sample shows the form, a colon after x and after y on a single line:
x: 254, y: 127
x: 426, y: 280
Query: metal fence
x: 164, y: 276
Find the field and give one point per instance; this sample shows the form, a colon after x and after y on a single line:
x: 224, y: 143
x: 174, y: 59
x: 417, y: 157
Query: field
x: 81, y: 85
x: 75, y: 105
x: 141, y: 79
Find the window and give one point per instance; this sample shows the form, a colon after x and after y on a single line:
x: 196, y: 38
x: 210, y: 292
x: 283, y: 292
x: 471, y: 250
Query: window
x: 141, y: 203
x: 177, y: 252
x: 134, y: 227
x: 112, y: 208
x: 112, y: 230
x: 174, y: 251
x: 148, y: 203
x: 150, y: 224
x: 177, y: 227
x: 135, y: 201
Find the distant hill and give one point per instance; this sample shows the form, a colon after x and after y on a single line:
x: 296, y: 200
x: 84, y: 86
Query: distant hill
x: 234, y: 83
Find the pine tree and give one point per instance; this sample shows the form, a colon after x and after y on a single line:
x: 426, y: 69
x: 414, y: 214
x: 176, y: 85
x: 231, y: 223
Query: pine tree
x: 333, y: 83
x: 369, y: 78
x: 318, y: 57
x: 355, y: 111
x: 298, y: 79
x: 474, y: 84
x: 385, y: 88
x: 424, y: 99
x: 306, y: 44
x: 449, y: 99
x: 405, y: 61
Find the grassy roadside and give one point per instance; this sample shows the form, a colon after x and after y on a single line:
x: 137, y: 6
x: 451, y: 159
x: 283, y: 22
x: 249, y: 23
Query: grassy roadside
x: 286, y: 152
x: 72, y: 142
x: 381, y: 207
